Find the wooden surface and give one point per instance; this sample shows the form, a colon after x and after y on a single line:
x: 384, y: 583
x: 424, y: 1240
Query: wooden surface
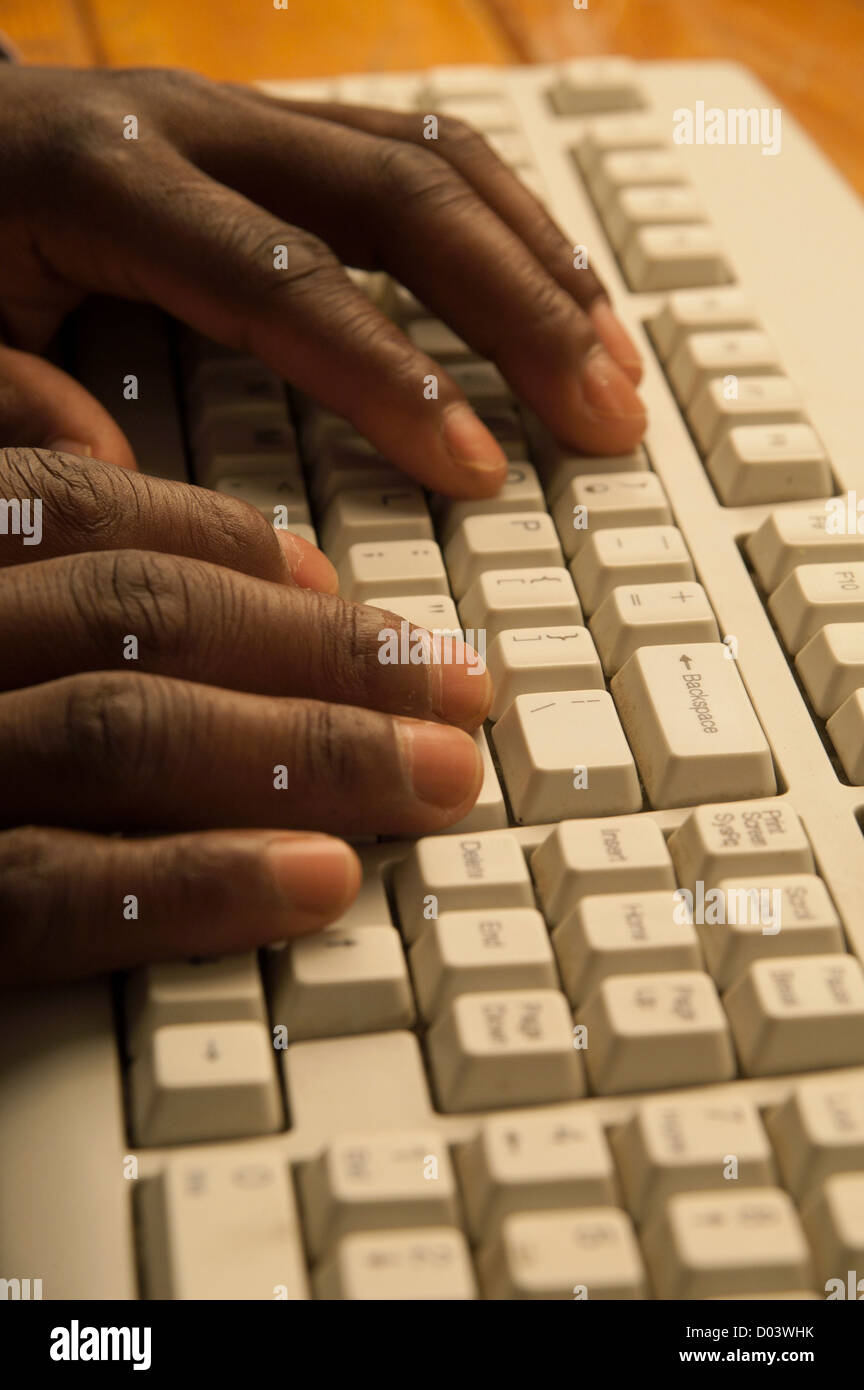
x: 810, y: 54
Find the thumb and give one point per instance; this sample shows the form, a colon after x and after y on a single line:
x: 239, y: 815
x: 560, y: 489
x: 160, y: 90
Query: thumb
x: 43, y: 407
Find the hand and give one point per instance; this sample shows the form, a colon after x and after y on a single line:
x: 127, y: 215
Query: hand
x: 236, y: 672
x: 188, y: 215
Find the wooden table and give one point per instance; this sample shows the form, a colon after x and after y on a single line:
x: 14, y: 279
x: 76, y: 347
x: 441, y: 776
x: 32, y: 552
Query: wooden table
x: 810, y: 54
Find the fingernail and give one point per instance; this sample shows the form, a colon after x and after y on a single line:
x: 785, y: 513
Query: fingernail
x: 607, y: 391
x: 614, y: 336
x: 461, y: 688
x: 443, y: 765
x: 308, y: 566
x: 316, y: 874
x: 61, y: 445
x: 469, y: 443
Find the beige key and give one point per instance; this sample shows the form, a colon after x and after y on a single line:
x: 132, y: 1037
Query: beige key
x: 438, y: 340
x: 398, y: 566
x: 777, y: 915
x: 513, y: 148
x: 813, y: 595
x: 690, y: 1145
x: 674, y: 257
x: 435, y: 612
x: 699, y: 311
x: 831, y: 666
x: 327, y: 1082
x: 748, y: 1240
x: 819, y: 1130
x: 604, y: 134
x: 506, y: 426
x: 691, y: 726
x: 450, y: 873
x: 520, y: 492
x: 701, y: 356
x: 730, y: 400
x: 222, y: 1226
x: 484, y: 113
x: 599, y: 856
x: 744, y: 839
x: 647, y: 1032
x: 489, y: 811
x: 650, y: 615
x: 587, y: 85
x: 525, y: 660
x: 769, y: 463
x: 846, y: 732
x: 629, y: 209
x: 376, y: 1181
x: 205, y: 1081
x: 423, y: 1265
x: 207, y: 991
x: 537, y: 1161
x: 641, y: 168
x: 513, y: 540
x: 622, y: 934
x: 515, y: 1047
x: 559, y: 467
x: 339, y: 981
x: 635, y: 555
x: 562, y: 754
x: 345, y: 462
x: 798, y: 1013
x: 793, y: 536
x: 364, y: 514
x: 503, y: 599
x: 481, y: 382
x: 565, y: 1254
x: 834, y: 1221
x: 597, y: 502
x: 241, y: 387
x: 280, y: 498
x: 234, y: 449
x: 466, y: 952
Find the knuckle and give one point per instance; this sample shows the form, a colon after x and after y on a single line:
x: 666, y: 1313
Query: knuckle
x: 138, y: 592
x: 349, y: 652
x: 85, y: 499
x: 323, y: 743
x: 108, y: 724
x: 409, y: 173
x: 228, y: 527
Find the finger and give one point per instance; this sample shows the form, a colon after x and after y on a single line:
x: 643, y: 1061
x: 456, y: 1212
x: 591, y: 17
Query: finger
x: 171, y: 616
x: 86, y: 504
x: 68, y: 899
x: 42, y: 407
x: 500, y: 188
x: 109, y: 750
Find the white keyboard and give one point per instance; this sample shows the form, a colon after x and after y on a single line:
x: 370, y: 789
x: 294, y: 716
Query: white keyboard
x: 516, y: 1069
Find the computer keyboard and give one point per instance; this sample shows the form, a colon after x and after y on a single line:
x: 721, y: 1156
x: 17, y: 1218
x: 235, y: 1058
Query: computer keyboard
x: 533, y: 1061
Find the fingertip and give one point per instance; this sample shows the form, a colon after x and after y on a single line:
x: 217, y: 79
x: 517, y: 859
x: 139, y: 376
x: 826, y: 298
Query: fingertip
x: 616, y: 339
x: 308, y: 567
x: 318, y: 877
x: 473, y: 450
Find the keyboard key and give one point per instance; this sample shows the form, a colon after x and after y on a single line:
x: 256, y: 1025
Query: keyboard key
x: 514, y: 1047
x: 537, y: 1161
x: 633, y: 169
x: 601, y: 856
x: 376, y: 1181
x: 730, y: 400
x: 682, y: 1145
x: 650, y: 615
x: 233, y: 448
x: 460, y: 80
x: 327, y: 1082
x: 205, y: 1081
x: 280, y: 498
x: 344, y: 464
x: 342, y: 980
x: 466, y: 952
x: 521, y: 492
x: 454, y: 873
x: 834, y: 1221
x: 525, y: 660
x: 813, y: 595
x: 636, y: 555
x: 794, y: 536
x: 438, y: 340
x: 585, y: 85
x: 222, y: 1226
x: 698, y: 311
x: 597, y: 502
x: 517, y: 540
x: 435, y: 612
x: 701, y: 356
x: 604, y: 134
x: 706, y: 1245
x: 798, y: 1013
x: 692, y: 728
x: 558, y: 467
x: 503, y: 599
x: 565, y: 1254
x: 831, y: 665
x: 846, y: 731
x: 482, y: 383
x: 622, y: 934
x: 769, y: 463
x: 674, y: 257
x: 361, y: 515
x: 422, y: 1265
x: 629, y: 208
x: 225, y: 990
x: 403, y: 567
x: 485, y: 113
x: 563, y: 753
x: 647, y: 1032
x: 778, y: 915
x: 745, y: 839
x: 819, y: 1130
